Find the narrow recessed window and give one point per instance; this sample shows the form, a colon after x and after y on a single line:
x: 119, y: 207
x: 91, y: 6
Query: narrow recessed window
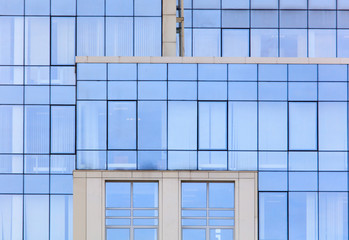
x: 132, y: 210
x: 208, y: 211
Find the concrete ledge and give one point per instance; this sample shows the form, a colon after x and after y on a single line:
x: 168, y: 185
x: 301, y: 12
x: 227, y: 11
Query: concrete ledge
x: 237, y: 60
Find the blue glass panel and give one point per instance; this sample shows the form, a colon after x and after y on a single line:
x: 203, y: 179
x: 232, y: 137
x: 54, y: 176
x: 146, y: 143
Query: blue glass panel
x: 61, y: 184
x: 182, y: 71
x: 264, y: 18
x: 194, y: 195
x: 14, y: 7
x: 150, y: 90
x: 119, y: 8
x: 332, y: 126
x: 293, y: 19
x: 122, y: 160
x: 333, y: 72
x: 90, y: 36
x: 152, y: 72
x: 322, y: 19
x: 61, y: 217
x: 212, y: 72
x: 272, y: 126
x: 11, y: 163
x: 206, y: 4
x: 182, y: 125
x: 235, y: 19
x: 333, y: 216
x: 223, y: 234
x: 302, y: 72
x: 237, y: 4
x: 333, y: 181
x: 122, y: 125
x: 272, y: 72
x: 11, y: 184
x: 147, y: 36
x: 147, y: 8
x: 303, y: 181
x: 182, y: 160
x: 122, y: 90
x: 91, y: 160
x: 62, y: 129
x: 322, y: 43
x: 62, y: 76
x: 37, y: 129
x: 302, y: 91
x: 11, y: 209
x: 63, y: 95
x: 293, y: 43
x: 152, y: 125
x: 342, y: 4
x: 182, y: 90
x: 152, y: 160
x: 240, y: 72
x: 37, y: 41
x: 11, y: 39
x: 145, y: 234
x: 206, y: 37
x: 63, y: 7
x: 62, y: 164
x: 296, y: 4
x: 244, y: 161
x: 119, y: 36
x: 11, y: 75
x: 90, y: 7
x: 342, y: 43
x: 11, y: 94
x: 322, y: 4
x: 145, y: 195
x: 91, y: 119
x: 235, y: 43
x: 11, y: 129
x: 333, y: 161
x: 272, y: 161
x: 92, y: 71
x: 120, y: 234
x: 36, y: 164
x: 36, y: 184
x: 206, y: 18
x: 37, y: 75
x: 36, y: 217
x: 302, y: 161
x: 198, y: 234
x: 242, y: 91
x: 272, y: 91
x: 122, y: 71
x: 272, y: 181
x: 303, y: 216
x: 242, y: 126
x: 272, y: 216
x: 212, y: 125
x: 332, y: 91
x: 37, y: 95
x: 94, y: 90
x: 62, y: 40
x: 221, y: 195
x: 302, y: 126
x: 264, y: 4
x: 212, y: 91
x: 118, y: 194
x: 212, y: 160
x: 37, y: 7
x: 264, y: 43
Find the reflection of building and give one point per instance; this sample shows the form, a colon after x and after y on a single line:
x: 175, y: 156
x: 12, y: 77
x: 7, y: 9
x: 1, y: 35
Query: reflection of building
x: 224, y: 119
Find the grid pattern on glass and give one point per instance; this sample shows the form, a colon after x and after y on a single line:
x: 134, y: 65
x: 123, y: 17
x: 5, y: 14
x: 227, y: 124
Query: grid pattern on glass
x: 208, y: 210
x: 266, y: 28
x: 132, y: 210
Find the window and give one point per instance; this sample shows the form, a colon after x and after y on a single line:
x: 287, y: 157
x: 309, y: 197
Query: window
x: 207, y: 211
x: 132, y: 210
